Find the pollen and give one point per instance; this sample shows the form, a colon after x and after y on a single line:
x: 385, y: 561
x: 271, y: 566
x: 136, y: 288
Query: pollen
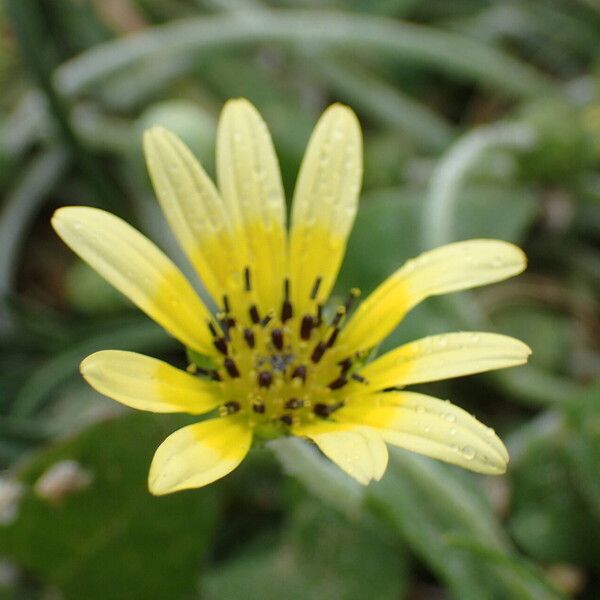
x: 281, y: 369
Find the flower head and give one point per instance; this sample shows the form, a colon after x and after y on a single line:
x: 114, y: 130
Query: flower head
x: 273, y: 360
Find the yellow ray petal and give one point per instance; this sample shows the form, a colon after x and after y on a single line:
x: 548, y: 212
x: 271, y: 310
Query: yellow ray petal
x: 149, y: 384
x: 138, y: 269
x: 199, y: 454
x: 250, y: 184
x: 325, y: 204
x: 443, y: 357
x: 431, y: 427
x: 193, y: 209
x: 359, y: 451
x: 450, y: 268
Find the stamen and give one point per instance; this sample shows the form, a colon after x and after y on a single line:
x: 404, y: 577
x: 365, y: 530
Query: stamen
x: 354, y: 294
x: 322, y: 410
x: 336, y: 384
x: 325, y: 410
x: 287, y: 419
x: 212, y: 328
x: 231, y: 367
x: 358, y: 378
x: 259, y: 407
x: 254, y: 314
x: 306, y: 327
x: 221, y: 345
x: 315, y: 288
x: 286, y: 307
x: 277, y: 338
x: 300, y: 372
x: 333, y: 337
x: 319, y: 315
x: 226, y: 306
x: 339, y: 313
x: 249, y: 337
x: 265, y: 379
x: 266, y: 320
x: 318, y: 352
x: 294, y: 403
x: 232, y: 406
x: 345, y: 364
x: 247, y: 282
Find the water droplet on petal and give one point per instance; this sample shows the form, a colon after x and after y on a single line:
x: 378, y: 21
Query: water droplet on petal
x: 468, y: 452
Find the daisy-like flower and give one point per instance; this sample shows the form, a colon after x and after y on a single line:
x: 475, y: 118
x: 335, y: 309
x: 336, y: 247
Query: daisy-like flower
x: 272, y: 360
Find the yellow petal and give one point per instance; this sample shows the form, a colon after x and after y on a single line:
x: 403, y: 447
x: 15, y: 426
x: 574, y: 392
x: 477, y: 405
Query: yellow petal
x: 443, y: 357
x: 450, y: 268
x: 250, y: 184
x: 325, y: 204
x: 138, y: 269
x: 359, y: 451
x: 199, y: 454
x: 193, y: 209
x: 149, y: 384
x: 431, y: 427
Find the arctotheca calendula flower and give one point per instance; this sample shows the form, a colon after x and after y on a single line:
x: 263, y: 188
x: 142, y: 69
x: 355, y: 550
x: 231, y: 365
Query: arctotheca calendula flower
x: 272, y: 361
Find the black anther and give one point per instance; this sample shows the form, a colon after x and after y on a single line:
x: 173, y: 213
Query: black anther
x: 336, y: 384
x: 315, y: 288
x: 299, y: 371
x: 231, y: 367
x: 306, y: 327
x: 265, y: 379
x: 254, y: 315
x: 318, y: 352
x: 277, y: 338
x: 294, y: 403
x: 247, y: 282
x: 232, y: 406
x: 221, y: 345
x: 249, y: 337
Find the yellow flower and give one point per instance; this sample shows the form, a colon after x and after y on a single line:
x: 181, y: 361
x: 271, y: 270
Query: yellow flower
x: 272, y: 361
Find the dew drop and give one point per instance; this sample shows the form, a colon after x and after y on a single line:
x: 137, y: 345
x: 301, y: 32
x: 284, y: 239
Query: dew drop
x: 453, y: 431
x: 468, y: 452
x: 450, y: 417
x: 497, y: 262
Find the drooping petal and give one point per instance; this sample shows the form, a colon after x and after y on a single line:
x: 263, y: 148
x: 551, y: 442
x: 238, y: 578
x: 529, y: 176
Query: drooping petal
x: 193, y: 209
x: 149, y: 384
x: 138, y: 269
x: 199, y: 454
x: 325, y: 204
x: 443, y: 357
x: 431, y: 427
x: 359, y: 451
x: 250, y: 184
x: 457, y: 266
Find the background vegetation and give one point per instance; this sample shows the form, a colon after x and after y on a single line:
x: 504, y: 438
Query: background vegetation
x: 481, y: 118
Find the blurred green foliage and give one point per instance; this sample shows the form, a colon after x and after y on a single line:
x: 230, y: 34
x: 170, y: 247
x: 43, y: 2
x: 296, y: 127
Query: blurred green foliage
x: 481, y: 119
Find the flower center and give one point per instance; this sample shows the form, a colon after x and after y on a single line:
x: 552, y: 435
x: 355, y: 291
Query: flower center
x: 281, y: 369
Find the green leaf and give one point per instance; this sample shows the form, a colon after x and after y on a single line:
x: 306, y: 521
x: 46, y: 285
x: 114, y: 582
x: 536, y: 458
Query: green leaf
x: 431, y: 505
x: 111, y: 535
x: 550, y: 518
x: 319, y: 554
